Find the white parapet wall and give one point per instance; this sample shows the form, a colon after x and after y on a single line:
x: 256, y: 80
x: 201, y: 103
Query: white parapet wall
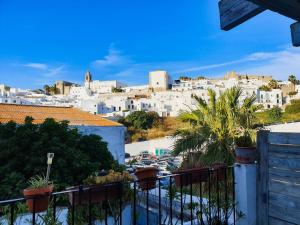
x: 245, y: 193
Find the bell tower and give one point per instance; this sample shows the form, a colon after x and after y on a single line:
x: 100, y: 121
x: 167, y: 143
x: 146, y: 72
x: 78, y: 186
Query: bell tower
x: 87, y: 79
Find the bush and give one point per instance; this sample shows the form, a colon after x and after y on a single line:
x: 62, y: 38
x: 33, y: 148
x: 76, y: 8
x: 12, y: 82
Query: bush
x: 23, y: 150
x: 275, y: 113
x: 141, y: 120
x: 294, y: 107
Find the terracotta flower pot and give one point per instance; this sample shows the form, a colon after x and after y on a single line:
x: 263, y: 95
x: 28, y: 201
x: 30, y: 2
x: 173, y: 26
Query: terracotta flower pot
x: 98, y: 193
x: 187, y: 176
x: 219, y: 171
x: 147, y: 177
x: 38, y: 198
x: 246, y: 155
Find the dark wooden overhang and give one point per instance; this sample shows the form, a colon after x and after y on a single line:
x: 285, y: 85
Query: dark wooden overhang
x: 236, y: 12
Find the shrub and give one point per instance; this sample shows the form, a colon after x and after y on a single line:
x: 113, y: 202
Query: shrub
x: 294, y: 107
x: 23, y: 150
x: 275, y: 113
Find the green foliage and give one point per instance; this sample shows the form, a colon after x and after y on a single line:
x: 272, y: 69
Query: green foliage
x: 37, y: 181
x: 294, y: 107
x: 184, y: 78
x: 275, y: 113
x: 245, y: 140
x: 264, y: 88
x: 293, y: 79
x: 141, y: 120
x: 23, y: 149
x: 273, y: 84
x: 214, y: 125
x: 117, y: 90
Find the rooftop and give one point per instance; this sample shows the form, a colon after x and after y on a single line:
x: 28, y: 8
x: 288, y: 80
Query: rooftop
x: 17, y: 113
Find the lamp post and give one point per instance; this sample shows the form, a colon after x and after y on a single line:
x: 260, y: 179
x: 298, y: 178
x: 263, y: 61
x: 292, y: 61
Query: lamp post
x: 50, y: 157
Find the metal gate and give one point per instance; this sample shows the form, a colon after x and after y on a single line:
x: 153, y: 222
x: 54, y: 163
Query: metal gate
x: 278, y: 186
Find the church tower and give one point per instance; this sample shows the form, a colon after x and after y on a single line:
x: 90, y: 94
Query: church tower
x: 87, y: 79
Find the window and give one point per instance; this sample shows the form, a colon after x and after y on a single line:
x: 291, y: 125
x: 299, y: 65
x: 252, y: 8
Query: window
x: 128, y: 106
x: 157, y: 83
x: 132, y: 106
x: 114, y: 108
x: 277, y: 96
x: 120, y: 108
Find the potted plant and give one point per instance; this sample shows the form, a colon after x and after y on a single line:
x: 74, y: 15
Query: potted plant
x: 147, y: 177
x: 102, y: 187
x: 245, y: 148
x: 191, y: 173
x: 38, y: 194
x: 219, y: 171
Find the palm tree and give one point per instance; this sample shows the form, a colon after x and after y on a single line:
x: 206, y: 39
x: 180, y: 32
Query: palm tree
x: 213, y: 125
x: 292, y: 79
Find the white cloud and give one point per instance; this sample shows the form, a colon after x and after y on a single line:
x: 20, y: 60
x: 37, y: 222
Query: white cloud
x: 114, y: 58
x: 39, y: 66
x: 279, y: 64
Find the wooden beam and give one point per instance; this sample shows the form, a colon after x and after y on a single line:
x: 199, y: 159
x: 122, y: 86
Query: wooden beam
x: 235, y: 12
x: 289, y: 8
x: 295, y: 30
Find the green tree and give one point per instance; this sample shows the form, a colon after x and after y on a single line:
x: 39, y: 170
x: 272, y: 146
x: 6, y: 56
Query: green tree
x: 117, y: 90
x: 275, y: 113
x: 273, y: 84
x: 140, y: 120
x: 214, y: 125
x: 23, y: 150
x: 292, y: 79
x: 47, y: 89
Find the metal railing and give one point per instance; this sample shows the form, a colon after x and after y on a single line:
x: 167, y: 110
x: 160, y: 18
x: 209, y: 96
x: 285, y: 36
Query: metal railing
x: 204, y: 196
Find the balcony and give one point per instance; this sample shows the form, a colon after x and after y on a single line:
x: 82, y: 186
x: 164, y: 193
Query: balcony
x: 196, y: 197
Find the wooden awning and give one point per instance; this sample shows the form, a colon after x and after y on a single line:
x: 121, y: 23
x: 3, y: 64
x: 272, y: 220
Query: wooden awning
x: 236, y: 12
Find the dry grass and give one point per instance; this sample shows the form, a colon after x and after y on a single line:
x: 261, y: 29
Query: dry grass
x: 166, y: 127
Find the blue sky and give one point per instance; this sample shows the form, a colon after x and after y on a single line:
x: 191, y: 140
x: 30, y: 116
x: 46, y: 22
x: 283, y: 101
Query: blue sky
x: 44, y: 41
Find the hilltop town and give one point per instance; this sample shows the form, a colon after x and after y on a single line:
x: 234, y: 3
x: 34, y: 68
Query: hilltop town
x: 162, y: 94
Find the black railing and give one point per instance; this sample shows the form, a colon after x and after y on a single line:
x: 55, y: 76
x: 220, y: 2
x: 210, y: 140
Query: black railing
x: 204, y: 196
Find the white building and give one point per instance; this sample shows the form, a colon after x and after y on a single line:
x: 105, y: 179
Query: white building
x: 269, y: 99
x: 101, y: 87
x: 159, y: 80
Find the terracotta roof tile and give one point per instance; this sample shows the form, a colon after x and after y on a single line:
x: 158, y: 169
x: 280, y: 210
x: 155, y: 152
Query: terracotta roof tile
x: 18, y: 113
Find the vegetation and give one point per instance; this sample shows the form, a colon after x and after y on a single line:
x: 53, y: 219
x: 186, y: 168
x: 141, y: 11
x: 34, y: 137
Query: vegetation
x: 294, y: 107
x: 37, y: 182
x: 213, y: 126
x: 111, y: 177
x: 273, y: 84
x: 275, y: 113
x: 142, y: 120
x: 117, y: 90
x: 23, y: 149
x: 161, y: 127
x: 185, y: 78
x: 245, y: 139
x: 52, y: 90
x: 293, y: 79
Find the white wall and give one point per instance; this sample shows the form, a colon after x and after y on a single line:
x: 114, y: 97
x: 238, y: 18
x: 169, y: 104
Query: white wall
x: 114, y: 136
x: 137, y: 147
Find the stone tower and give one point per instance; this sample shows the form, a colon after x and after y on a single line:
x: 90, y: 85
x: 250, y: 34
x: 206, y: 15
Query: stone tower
x: 87, y: 79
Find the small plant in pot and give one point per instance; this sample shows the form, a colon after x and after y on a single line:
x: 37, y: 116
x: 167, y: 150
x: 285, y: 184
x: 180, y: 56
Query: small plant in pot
x: 40, y: 188
x: 103, y: 186
x: 147, y: 177
x: 191, y: 173
x: 38, y: 194
x: 245, y: 148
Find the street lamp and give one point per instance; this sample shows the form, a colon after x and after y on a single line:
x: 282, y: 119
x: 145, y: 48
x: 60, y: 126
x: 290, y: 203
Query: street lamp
x: 50, y: 157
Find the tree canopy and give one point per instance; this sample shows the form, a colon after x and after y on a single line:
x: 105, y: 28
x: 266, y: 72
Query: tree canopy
x: 23, y: 150
x: 142, y: 120
x: 215, y: 124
